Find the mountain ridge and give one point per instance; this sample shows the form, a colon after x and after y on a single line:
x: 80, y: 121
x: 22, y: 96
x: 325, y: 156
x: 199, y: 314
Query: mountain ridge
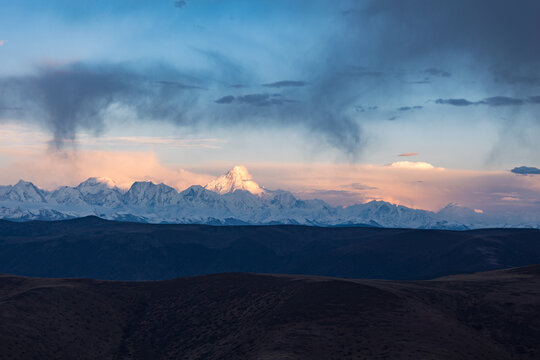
x: 233, y: 198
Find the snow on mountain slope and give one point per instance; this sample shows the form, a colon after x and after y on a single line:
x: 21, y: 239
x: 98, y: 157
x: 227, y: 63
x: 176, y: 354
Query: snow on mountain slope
x: 233, y: 198
x: 146, y: 193
x: 238, y: 178
x: 24, y: 191
x: 100, y: 192
x: 67, y: 196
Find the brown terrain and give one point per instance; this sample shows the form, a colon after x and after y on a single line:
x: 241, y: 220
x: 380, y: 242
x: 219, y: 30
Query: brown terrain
x: 492, y: 315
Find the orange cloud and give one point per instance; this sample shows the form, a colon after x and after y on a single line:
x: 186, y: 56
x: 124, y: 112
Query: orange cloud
x: 51, y: 170
x: 409, y: 154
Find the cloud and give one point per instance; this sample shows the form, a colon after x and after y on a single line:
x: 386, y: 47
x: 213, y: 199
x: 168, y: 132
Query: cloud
x: 255, y: 99
x: 412, y: 165
x: 455, y: 102
x: 361, y: 108
x: 225, y: 100
x: 2, y: 42
x: 285, y: 83
x: 52, y: 169
x: 409, y: 108
x: 409, y: 154
x: 501, y: 101
x: 534, y: 99
x: 437, y: 72
x: 526, y: 170
x: 82, y: 97
x: 496, y: 35
x: 490, y: 101
x: 263, y: 99
x: 427, y: 188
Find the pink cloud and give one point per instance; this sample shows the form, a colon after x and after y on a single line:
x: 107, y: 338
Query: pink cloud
x: 409, y: 154
x: 2, y: 42
x: 424, y: 188
x: 51, y: 170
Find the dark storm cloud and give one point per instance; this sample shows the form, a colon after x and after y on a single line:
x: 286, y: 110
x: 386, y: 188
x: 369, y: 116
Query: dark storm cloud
x: 526, y: 170
x: 490, y: 101
x: 494, y: 30
x: 285, y: 83
x: 382, y: 35
x: 262, y: 99
x: 361, y: 108
x: 225, y: 100
x: 255, y: 99
x: 409, y: 108
x: 455, y: 102
x: 501, y: 101
x: 80, y: 97
x: 76, y: 97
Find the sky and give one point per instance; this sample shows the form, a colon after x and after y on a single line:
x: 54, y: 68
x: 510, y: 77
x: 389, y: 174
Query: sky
x: 417, y: 102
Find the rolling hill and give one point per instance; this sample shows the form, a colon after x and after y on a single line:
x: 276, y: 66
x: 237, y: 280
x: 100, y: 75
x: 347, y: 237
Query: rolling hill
x: 493, y: 315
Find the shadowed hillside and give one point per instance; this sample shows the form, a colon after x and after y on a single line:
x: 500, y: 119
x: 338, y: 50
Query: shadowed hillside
x: 95, y: 248
x: 493, y: 315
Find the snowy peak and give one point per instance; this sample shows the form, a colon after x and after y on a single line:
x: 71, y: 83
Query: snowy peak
x: 146, y: 193
x: 100, y: 191
x: 24, y: 191
x: 238, y: 178
x: 96, y: 184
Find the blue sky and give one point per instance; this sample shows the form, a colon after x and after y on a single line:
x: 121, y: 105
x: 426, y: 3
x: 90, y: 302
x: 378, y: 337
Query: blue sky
x: 266, y: 82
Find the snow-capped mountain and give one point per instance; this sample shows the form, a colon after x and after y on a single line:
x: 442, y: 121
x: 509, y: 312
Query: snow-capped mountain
x: 23, y: 191
x: 146, y: 193
x: 100, y: 192
x: 238, y: 178
x: 234, y: 198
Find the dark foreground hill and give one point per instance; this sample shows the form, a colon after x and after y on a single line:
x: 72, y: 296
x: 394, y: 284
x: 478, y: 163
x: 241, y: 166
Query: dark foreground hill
x: 494, y: 315
x: 95, y: 248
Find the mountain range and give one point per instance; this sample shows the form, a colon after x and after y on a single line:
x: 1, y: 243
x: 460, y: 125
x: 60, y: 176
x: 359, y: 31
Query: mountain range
x: 232, y: 199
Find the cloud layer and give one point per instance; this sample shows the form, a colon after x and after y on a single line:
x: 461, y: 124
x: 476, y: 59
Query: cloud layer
x: 79, y: 97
